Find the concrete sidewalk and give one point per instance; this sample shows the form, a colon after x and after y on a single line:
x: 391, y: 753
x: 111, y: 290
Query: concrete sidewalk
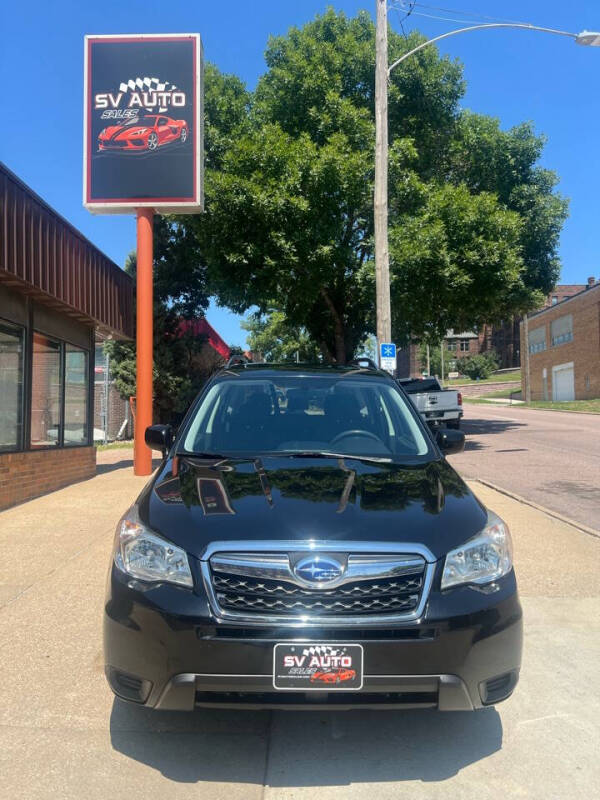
x: 63, y: 735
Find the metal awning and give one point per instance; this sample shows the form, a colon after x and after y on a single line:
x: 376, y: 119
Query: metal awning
x: 44, y: 256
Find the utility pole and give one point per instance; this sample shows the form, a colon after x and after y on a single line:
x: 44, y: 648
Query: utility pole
x: 380, y: 206
x: 382, y: 72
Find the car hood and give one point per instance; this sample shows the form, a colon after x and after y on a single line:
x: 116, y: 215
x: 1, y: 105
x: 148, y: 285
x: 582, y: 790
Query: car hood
x: 297, y: 499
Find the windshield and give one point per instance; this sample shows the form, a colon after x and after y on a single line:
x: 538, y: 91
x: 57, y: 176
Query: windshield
x: 141, y: 121
x: 289, y: 414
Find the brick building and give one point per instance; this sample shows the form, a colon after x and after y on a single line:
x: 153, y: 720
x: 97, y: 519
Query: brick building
x: 460, y: 344
x: 503, y: 338
x: 56, y: 291
x: 564, y: 348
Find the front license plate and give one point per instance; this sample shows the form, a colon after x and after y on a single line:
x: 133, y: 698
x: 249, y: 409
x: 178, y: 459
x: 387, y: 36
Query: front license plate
x: 318, y: 667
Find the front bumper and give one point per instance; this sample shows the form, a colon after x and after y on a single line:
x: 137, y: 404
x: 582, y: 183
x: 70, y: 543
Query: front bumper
x: 165, y: 649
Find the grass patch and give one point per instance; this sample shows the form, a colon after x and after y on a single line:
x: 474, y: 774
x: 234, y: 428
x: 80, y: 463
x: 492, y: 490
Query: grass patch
x: 116, y: 445
x: 515, y: 375
x: 504, y: 393
x: 583, y: 406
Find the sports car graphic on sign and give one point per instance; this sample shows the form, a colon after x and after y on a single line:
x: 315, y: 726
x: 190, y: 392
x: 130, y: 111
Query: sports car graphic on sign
x: 145, y: 133
x: 333, y: 675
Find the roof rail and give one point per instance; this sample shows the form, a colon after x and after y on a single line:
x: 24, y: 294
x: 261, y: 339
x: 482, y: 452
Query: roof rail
x: 363, y: 361
x: 239, y: 360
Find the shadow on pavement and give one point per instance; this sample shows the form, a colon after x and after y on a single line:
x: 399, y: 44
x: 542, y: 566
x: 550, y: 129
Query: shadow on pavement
x: 122, y: 464
x: 483, y: 427
x: 471, y: 444
x: 305, y: 748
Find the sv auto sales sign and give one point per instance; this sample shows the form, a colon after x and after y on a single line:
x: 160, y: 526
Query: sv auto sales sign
x: 143, y: 123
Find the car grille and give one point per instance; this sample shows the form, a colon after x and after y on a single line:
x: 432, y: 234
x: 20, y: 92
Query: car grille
x: 252, y: 595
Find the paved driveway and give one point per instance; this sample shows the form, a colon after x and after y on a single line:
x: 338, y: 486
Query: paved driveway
x: 63, y: 735
x: 550, y: 457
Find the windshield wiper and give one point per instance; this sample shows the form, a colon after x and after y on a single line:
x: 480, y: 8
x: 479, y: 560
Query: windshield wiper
x: 200, y: 454
x: 327, y: 454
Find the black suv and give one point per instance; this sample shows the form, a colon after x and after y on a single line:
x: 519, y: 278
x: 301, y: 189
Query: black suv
x: 306, y: 542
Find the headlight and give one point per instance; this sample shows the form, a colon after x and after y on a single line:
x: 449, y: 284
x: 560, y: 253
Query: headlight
x: 102, y: 132
x: 146, y: 556
x: 482, y: 559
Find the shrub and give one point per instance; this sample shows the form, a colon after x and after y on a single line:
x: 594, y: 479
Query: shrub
x: 479, y: 366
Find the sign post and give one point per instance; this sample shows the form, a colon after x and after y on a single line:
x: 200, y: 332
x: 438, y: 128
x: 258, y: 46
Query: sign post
x: 142, y: 455
x: 143, y: 154
x: 387, y: 356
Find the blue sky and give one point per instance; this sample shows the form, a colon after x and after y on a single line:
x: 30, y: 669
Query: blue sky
x: 513, y: 75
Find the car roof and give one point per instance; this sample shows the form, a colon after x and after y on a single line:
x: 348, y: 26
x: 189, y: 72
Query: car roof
x: 315, y: 369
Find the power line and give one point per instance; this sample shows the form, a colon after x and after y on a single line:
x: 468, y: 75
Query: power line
x: 462, y: 20
x: 402, y: 20
x: 412, y: 6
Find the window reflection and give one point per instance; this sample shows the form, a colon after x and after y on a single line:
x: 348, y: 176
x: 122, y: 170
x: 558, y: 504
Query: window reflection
x: 76, y: 395
x: 11, y: 386
x: 46, y: 392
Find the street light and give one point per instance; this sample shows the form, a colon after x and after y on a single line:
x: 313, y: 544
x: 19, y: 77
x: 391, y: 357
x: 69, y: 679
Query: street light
x: 380, y: 205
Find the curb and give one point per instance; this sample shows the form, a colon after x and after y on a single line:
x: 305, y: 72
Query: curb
x: 482, y: 401
x: 573, y: 523
x: 561, y: 410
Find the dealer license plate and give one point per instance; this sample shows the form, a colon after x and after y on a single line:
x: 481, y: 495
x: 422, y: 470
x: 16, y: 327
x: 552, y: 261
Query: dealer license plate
x: 300, y: 666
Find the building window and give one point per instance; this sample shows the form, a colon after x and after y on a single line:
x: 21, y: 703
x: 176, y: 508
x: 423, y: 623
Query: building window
x: 451, y: 345
x: 11, y: 386
x: 46, y: 392
x: 59, y: 393
x: 554, y: 300
x: 76, y: 395
x: 561, y: 330
x: 464, y: 345
x: 537, y: 340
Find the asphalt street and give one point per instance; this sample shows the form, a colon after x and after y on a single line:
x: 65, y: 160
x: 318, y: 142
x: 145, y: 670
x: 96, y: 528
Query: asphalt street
x: 63, y: 734
x: 549, y: 457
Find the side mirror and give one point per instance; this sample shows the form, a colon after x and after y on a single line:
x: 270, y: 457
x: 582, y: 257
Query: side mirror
x: 450, y: 441
x: 159, y: 437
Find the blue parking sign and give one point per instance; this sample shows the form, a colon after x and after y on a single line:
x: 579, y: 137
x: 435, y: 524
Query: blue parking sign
x: 387, y: 357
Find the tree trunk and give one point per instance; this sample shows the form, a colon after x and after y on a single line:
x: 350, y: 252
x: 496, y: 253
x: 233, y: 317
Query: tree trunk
x: 338, y: 329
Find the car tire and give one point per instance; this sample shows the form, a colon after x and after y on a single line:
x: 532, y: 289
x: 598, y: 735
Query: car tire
x: 152, y: 141
x: 183, y: 135
x: 454, y: 424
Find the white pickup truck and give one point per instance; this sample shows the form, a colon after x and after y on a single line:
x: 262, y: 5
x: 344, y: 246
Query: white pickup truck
x: 436, y: 406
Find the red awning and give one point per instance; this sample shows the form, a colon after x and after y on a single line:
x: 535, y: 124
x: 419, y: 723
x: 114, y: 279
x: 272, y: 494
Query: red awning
x: 200, y: 327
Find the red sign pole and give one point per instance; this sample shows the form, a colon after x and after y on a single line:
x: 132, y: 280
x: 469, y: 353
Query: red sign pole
x: 142, y: 455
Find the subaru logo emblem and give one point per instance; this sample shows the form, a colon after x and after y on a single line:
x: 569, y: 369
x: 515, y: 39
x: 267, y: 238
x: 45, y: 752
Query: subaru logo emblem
x: 318, y: 569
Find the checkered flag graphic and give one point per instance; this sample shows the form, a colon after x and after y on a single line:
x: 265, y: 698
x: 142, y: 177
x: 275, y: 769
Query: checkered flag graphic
x: 147, y: 85
x: 319, y: 650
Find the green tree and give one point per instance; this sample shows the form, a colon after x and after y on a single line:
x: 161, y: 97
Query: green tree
x: 435, y: 359
x: 179, y: 295
x: 275, y: 339
x: 474, y: 222
x: 478, y: 366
